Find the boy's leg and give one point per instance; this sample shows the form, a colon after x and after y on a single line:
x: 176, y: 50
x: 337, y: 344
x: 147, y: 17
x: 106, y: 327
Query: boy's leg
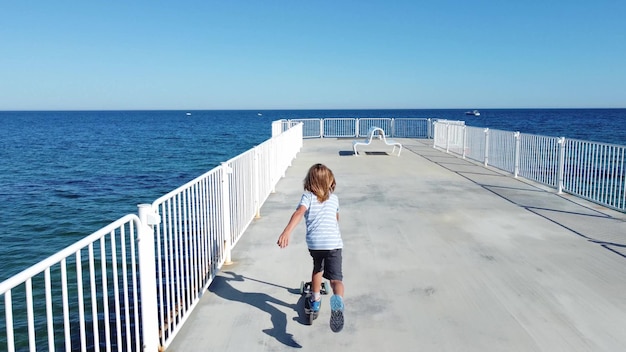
x: 337, y: 286
x: 316, y: 279
x: 316, y: 282
x: 318, y: 271
x: 333, y: 271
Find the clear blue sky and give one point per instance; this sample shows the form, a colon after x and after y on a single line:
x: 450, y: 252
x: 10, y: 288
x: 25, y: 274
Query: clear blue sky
x: 293, y: 54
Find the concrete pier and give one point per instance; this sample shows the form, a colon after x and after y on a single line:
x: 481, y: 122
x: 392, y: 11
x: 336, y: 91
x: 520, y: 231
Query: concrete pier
x: 441, y: 254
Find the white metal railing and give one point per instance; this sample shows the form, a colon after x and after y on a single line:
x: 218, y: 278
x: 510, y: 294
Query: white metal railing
x: 591, y: 170
x: 595, y: 171
x: 501, y: 140
x: 358, y: 127
x: 204, y: 219
x: 311, y: 128
x: 131, y: 285
x: 450, y: 136
x: 411, y: 128
x: 538, y: 158
x: 364, y: 124
x: 84, y: 297
x: 338, y: 127
x: 475, y: 141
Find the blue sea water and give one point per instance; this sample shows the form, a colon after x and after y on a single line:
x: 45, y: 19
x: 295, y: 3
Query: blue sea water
x: 64, y: 175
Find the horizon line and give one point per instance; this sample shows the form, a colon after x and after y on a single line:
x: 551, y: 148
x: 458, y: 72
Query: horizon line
x: 316, y: 109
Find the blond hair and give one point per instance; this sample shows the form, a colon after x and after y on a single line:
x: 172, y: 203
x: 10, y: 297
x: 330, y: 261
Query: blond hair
x: 320, y: 181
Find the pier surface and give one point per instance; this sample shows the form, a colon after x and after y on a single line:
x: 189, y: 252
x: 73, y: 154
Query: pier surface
x: 440, y: 254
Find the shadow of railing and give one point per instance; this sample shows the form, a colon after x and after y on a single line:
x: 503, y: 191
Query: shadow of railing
x: 591, y: 224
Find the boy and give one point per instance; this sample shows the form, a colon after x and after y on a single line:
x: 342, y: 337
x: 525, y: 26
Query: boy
x: 320, y: 207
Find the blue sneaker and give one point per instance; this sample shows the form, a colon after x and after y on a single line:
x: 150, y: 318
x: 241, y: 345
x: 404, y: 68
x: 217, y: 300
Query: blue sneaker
x: 336, y: 313
x: 315, y: 305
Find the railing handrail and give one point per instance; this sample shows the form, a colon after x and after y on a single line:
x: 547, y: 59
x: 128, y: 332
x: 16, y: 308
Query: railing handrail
x: 40, y: 267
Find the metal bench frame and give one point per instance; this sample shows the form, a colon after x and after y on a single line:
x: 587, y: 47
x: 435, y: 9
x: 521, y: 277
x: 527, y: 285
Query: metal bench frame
x: 380, y: 133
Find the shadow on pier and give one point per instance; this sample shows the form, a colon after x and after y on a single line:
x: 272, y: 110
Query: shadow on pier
x: 570, y: 212
x: 222, y: 287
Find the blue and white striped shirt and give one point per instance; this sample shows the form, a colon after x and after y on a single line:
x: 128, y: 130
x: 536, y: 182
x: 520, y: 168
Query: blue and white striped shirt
x: 322, y: 227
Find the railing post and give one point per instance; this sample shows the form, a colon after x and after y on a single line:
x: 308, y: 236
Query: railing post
x: 561, y: 175
x: 464, y: 140
x: 486, y: 146
x: 434, y: 139
x: 226, y: 170
x: 447, y: 137
x: 517, y: 153
x: 356, y: 127
x: 273, y: 156
x: 147, y: 270
x: 429, y: 129
x: 393, y: 127
x: 257, y: 175
x: 321, y: 128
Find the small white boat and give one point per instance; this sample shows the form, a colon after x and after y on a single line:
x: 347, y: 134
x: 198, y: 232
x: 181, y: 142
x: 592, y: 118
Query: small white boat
x: 475, y: 113
x: 259, y: 114
x: 188, y: 114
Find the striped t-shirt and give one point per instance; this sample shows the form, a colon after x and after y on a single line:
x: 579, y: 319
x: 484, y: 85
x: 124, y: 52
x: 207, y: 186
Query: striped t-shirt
x: 322, y: 228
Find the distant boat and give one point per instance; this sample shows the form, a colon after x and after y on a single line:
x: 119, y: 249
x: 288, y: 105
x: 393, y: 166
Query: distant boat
x: 475, y: 113
x: 188, y: 114
x: 260, y: 114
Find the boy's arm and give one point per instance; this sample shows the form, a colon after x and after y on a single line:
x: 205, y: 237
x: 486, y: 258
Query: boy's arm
x: 297, y: 215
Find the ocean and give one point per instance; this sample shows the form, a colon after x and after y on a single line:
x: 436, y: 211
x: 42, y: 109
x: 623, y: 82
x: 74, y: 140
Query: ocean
x: 66, y: 174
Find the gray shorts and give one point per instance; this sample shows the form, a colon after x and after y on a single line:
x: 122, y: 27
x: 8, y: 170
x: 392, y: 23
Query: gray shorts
x: 329, y: 262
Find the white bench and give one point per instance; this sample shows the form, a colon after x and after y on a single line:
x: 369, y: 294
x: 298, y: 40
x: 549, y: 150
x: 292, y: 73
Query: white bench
x: 380, y: 133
